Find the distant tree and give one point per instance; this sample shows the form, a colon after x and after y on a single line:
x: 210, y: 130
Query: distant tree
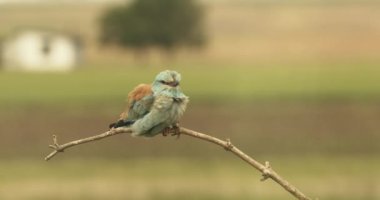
x: 154, y: 23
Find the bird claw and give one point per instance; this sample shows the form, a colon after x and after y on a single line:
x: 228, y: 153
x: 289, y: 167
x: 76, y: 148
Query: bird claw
x: 174, y: 130
x: 166, y: 131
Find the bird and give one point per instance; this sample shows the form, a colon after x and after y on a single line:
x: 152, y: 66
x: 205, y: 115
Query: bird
x: 155, y: 108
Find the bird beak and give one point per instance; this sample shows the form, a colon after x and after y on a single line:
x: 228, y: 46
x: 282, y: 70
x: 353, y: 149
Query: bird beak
x: 174, y: 83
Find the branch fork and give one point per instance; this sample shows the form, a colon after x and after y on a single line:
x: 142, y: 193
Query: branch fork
x: 229, y: 145
x: 267, y: 171
x: 55, y: 144
x: 60, y: 148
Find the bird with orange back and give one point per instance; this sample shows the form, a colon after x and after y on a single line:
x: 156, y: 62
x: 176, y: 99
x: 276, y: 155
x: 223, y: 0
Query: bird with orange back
x: 154, y: 108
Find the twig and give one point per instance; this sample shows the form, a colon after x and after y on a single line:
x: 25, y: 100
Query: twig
x: 60, y: 148
x: 266, y: 170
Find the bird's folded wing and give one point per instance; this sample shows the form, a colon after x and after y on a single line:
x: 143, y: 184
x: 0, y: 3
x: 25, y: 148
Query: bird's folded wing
x: 140, y: 101
x: 156, y: 119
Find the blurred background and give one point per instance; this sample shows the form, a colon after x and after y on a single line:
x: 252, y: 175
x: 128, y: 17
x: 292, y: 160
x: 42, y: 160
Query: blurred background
x: 292, y: 82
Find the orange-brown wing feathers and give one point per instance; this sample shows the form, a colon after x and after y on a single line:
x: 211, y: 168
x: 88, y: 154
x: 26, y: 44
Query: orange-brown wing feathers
x: 139, y: 92
x: 136, y: 94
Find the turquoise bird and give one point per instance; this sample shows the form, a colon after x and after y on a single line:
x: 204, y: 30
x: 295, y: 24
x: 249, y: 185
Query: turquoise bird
x: 154, y: 108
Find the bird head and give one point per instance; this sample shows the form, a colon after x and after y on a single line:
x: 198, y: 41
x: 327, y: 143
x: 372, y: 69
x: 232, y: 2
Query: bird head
x: 167, y: 80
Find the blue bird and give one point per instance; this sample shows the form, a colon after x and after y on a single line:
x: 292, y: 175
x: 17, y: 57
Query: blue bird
x: 154, y: 108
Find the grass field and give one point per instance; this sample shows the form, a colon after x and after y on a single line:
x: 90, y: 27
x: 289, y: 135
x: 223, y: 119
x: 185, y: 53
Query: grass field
x: 268, y: 83
x: 294, y: 83
x: 330, y: 178
x: 317, y: 126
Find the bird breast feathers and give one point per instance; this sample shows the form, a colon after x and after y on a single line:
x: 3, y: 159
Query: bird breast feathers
x: 173, y: 107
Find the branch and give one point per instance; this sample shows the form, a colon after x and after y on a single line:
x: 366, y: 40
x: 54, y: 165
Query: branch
x: 266, y: 170
x: 60, y: 148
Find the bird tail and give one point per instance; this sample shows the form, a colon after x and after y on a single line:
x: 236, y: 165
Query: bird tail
x: 121, y: 123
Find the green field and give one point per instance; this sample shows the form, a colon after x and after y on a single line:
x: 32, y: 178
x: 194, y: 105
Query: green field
x: 317, y: 126
x: 201, y: 83
x: 329, y: 178
x: 295, y: 83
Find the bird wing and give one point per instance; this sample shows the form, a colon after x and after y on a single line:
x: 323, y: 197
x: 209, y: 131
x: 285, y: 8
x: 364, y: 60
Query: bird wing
x: 140, y: 101
x: 156, y: 119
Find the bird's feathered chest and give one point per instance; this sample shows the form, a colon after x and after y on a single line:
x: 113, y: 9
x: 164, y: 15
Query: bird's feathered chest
x: 171, y: 108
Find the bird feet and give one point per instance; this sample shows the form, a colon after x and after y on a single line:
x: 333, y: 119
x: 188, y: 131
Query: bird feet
x: 174, y: 130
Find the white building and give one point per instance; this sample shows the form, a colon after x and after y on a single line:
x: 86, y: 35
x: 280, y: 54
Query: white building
x: 40, y: 50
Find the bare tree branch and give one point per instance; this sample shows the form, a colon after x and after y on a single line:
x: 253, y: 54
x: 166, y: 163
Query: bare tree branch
x: 266, y: 170
x: 60, y: 148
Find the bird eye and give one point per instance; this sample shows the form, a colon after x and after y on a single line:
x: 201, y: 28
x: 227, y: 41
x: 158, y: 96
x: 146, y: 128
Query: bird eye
x: 163, y: 82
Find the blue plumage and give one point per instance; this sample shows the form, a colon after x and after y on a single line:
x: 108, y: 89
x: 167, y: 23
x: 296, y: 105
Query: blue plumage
x: 152, y: 108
